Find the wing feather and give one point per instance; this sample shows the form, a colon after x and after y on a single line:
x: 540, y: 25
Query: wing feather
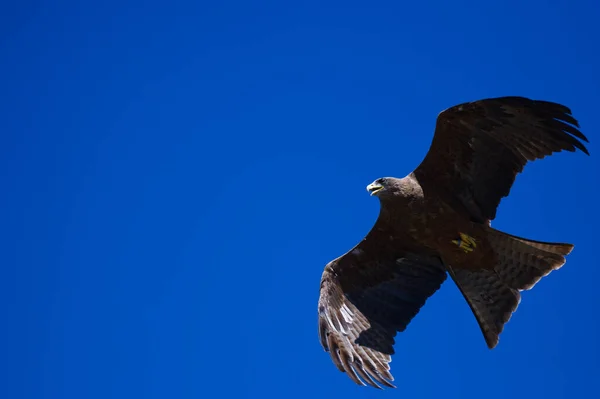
x: 479, y: 148
x: 366, y: 297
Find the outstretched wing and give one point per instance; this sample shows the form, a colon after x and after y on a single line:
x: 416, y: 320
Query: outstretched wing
x: 366, y: 297
x: 479, y: 148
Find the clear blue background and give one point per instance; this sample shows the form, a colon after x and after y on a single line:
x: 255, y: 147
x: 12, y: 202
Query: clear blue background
x: 175, y: 176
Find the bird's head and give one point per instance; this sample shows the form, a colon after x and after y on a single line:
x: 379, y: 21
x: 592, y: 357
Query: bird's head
x: 382, y: 187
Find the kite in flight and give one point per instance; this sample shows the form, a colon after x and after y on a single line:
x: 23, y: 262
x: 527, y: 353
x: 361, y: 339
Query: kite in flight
x: 437, y: 220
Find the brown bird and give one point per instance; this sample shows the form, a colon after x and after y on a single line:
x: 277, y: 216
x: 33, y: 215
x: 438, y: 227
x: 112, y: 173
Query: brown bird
x: 435, y: 221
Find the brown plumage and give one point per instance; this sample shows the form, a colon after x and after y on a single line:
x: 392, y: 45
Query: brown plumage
x: 435, y: 221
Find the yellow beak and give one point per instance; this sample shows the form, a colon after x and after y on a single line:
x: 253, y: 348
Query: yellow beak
x: 374, y: 188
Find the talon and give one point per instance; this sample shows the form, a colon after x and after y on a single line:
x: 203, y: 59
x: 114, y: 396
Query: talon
x: 465, y: 242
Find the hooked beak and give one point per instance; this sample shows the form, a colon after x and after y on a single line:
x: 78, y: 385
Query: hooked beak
x: 374, y: 188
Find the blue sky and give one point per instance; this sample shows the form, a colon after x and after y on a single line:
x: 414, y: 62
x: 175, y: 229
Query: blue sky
x: 175, y: 177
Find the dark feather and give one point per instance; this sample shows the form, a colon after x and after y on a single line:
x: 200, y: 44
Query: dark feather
x: 479, y: 148
x: 367, y: 296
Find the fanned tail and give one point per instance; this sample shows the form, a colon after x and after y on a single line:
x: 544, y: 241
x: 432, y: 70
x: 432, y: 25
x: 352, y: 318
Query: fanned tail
x: 494, y: 293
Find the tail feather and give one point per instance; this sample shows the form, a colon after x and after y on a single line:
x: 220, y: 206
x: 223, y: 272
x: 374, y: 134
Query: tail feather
x: 553, y: 247
x: 521, y: 263
x: 491, y: 301
x: 494, y: 293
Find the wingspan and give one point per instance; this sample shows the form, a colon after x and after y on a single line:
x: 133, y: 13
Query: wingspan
x: 479, y: 148
x: 366, y: 297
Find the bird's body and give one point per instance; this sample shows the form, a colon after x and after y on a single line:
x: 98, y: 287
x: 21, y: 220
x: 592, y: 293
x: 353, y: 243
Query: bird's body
x: 436, y: 221
x: 421, y: 219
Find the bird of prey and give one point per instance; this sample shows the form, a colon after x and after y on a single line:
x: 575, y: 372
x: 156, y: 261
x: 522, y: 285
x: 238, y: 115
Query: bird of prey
x: 435, y: 221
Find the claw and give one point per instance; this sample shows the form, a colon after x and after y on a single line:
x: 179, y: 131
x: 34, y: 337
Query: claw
x: 465, y: 242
